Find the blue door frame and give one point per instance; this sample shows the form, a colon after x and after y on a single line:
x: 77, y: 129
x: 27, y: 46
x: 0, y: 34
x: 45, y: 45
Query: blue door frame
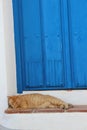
x: 72, y: 78
x: 18, y: 37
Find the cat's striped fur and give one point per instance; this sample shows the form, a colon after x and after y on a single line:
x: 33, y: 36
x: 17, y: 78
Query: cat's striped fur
x: 36, y: 101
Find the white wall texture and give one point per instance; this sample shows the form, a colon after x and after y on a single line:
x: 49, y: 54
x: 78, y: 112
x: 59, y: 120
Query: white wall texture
x: 7, y: 55
x: 9, y: 46
x: 57, y: 121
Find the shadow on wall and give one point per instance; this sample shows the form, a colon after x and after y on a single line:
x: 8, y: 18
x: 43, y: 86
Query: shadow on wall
x: 3, y: 128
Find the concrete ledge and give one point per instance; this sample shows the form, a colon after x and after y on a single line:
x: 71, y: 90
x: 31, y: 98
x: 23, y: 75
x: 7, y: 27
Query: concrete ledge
x: 46, y: 121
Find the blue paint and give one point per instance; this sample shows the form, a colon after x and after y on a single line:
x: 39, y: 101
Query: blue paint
x: 78, y: 41
x: 50, y: 42
x: 17, y: 46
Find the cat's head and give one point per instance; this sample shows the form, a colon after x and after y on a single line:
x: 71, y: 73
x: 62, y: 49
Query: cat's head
x: 13, y: 101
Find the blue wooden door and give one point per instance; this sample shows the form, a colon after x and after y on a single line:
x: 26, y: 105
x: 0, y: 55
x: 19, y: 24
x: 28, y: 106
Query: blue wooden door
x: 77, y: 14
x: 51, y: 44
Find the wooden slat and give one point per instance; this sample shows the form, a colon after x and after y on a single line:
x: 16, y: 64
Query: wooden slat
x: 76, y: 108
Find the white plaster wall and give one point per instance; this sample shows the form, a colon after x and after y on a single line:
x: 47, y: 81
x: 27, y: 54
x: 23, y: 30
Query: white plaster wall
x: 3, y: 80
x: 57, y: 121
x: 7, y: 53
x: 9, y: 46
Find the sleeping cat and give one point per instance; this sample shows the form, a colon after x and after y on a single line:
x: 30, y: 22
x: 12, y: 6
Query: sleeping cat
x: 36, y: 101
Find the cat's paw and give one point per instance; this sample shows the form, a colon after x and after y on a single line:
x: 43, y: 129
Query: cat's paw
x: 70, y: 106
x: 66, y: 106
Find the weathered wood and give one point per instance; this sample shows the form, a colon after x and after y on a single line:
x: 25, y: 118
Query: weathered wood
x: 76, y: 108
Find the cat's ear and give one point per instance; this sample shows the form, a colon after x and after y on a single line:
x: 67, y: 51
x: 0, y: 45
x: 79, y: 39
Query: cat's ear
x: 8, y: 97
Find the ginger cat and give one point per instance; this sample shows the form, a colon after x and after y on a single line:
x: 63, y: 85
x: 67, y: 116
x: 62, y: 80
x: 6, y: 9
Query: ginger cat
x: 36, y: 101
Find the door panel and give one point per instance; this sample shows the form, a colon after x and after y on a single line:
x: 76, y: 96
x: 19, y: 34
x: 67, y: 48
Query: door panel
x: 53, y: 42
x: 42, y: 43
x: 78, y: 35
x: 32, y: 43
